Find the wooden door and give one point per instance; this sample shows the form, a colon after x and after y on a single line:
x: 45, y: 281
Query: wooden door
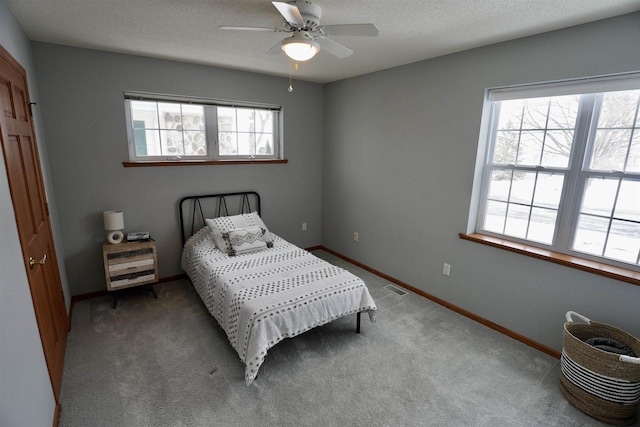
x: 34, y: 228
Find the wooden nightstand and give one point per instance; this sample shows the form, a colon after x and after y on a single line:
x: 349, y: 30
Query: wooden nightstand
x: 130, y: 264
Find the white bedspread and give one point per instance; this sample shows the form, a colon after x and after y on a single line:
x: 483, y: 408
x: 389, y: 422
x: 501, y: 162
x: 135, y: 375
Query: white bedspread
x: 261, y: 298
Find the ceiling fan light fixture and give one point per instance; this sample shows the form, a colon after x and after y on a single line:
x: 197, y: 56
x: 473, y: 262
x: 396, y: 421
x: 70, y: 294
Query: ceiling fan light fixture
x: 300, y: 48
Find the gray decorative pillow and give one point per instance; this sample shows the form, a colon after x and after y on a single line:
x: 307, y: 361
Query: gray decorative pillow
x: 243, y: 240
x: 224, y: 224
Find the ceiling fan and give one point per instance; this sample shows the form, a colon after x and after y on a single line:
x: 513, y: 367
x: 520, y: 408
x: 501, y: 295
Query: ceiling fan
x: 302, y: 19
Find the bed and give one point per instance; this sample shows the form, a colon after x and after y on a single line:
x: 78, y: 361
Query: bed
x: 260, y: 288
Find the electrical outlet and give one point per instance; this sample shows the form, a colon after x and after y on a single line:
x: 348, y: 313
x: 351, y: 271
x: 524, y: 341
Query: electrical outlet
x: 304, y: 226
x: 355, y: 236
x: 446, y: 269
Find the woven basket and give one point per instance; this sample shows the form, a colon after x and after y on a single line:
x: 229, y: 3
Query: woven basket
x: 603, y: 385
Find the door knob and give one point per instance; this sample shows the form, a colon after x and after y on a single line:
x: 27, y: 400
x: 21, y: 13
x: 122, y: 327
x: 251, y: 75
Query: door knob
x: 33, y: 262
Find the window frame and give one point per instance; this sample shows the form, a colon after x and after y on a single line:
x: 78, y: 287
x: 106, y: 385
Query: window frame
x: 211, y: 129
x: 578, y: 169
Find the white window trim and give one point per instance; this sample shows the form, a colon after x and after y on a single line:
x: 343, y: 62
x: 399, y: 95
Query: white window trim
x: 576, y: 175
x: 211, y: 128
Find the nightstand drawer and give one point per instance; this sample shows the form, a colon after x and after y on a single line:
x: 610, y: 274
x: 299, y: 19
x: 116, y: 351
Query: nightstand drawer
x: 132, y: 266
x: 132, y: 279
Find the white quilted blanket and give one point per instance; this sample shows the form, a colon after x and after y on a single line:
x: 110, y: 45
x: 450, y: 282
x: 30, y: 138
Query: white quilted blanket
x: 261, y: 298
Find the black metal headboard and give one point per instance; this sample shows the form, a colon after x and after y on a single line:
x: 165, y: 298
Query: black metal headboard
x: 194, y: 209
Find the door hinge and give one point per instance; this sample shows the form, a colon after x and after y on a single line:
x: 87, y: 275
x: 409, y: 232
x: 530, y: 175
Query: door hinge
x: 31, y: 108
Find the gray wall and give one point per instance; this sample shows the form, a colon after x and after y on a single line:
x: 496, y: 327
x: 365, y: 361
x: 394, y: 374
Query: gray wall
x: 399, y: 157
x: 83, y: 107
x: 26, y: 397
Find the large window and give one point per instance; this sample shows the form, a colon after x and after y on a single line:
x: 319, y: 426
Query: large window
x: 173, y: 129
x: 562, y: 169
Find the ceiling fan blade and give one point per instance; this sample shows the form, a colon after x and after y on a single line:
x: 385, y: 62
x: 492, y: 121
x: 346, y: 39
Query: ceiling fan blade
x: 361, y: 30
x: 271, y: 30
x: 290, y: 13
x: 335, y: 49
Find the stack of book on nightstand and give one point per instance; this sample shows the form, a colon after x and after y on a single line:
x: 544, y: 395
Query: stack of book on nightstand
x: 138, y: 236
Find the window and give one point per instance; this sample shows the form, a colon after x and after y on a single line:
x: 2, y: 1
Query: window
x: 562, y: 168
x: 166, y: 128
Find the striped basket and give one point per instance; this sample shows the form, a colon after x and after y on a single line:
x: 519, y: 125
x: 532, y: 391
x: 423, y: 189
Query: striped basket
x: 603, y: 385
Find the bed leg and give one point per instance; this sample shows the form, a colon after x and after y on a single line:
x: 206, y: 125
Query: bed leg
x: 358, y: 322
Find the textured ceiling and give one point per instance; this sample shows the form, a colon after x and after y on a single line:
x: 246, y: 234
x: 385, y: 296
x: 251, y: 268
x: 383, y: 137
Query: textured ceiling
x: 410, y: 30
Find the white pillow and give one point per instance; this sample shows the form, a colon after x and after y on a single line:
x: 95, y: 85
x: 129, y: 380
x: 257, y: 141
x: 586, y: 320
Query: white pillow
x: 243, y: 240
x: 224, y: 224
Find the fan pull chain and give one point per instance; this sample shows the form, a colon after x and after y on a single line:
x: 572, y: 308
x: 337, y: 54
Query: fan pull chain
x: 290, y: 81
